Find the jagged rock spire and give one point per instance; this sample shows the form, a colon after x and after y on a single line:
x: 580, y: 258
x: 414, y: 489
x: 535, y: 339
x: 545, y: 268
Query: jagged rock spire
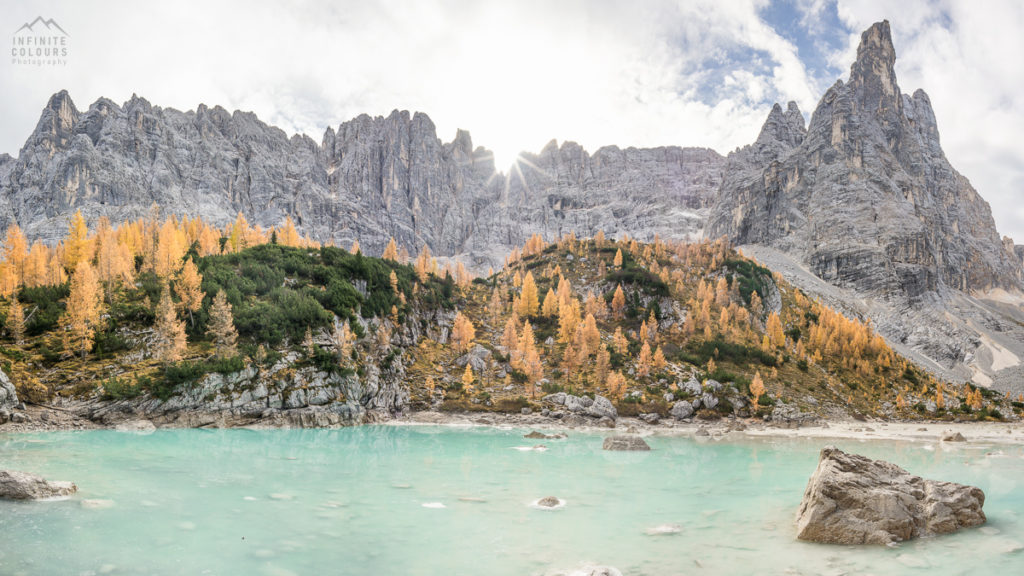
x: 783, y: 127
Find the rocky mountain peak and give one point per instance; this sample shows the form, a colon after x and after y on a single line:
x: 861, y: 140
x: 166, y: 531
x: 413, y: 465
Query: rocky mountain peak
x: 786, y: 128
x: 56, y: 124
x: 873, y: 78
x: 462, y: 145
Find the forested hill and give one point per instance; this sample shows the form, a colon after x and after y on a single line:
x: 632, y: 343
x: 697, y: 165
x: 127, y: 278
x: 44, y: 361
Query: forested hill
x: 176, y: 318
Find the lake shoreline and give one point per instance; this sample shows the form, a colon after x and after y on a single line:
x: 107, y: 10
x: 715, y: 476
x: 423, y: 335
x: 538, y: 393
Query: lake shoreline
x: 69, y: 418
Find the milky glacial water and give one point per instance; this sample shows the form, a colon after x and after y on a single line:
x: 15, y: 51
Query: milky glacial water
x: 386, y: 500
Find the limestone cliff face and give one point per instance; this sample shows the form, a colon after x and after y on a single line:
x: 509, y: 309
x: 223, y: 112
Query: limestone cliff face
x: 866, y: 200
x: 369, y: 179
x: 866, y: 197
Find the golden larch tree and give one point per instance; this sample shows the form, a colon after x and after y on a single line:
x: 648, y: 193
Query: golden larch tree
x: 601, y: 365
x: 16, y: 252
x: 568, y: 319
x: 36, y: 265
x: 757, y: 388
x: 114, y: 262
x: 344, y: 341
x: 570, y: 361
x: 468, y: 379
x: 15, y: 322
x: 168, y: 332
x: 550, y: 307
x: 773, y: 329
x: 84, y: 310
x: 643, y: 362
x: 616, y: 384
x: 76, y: 244
x: 529, y: 303
x: 618, y: 302
x: 658, y: 361
x: 221, y: 327
x: 188, y: 289
x: 237, y: 234
x: 496, y: 305
x: 463, y: 333
x: 591, y: 335
x: 510, y: 336
x: 170, y: 249
x: 391, y: 251
x: 288, y: 235
x: 617, y: 262
x: 424, y: 263
x: 619, y: 341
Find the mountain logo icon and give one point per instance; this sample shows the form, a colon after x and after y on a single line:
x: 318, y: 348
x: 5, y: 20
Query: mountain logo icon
x: 41, y: 25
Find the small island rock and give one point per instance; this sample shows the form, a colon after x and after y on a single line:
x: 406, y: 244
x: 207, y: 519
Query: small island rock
x: 851, y: 499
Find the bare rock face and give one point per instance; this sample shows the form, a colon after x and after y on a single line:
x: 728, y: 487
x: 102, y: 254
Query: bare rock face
x: 851, y: 499
x: 8, y: 395
x: 866, y: 197
x: 369, y: 179
x: 866, y: 200
x: 16, y: 485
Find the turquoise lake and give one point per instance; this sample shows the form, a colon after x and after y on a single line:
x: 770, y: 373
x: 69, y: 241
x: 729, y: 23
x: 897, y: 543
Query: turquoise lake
x: 351, y: 501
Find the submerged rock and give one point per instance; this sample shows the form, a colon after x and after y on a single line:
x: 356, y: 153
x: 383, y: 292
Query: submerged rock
x: 587, y: 570
x: 954, y: 437
x: 136, y: 426
x: 664, y: 530
x: 16, y: 485
x: 534, y: 435
x: 851, y: 499
x: 549, y: 502
x: 625, y: 442
x: 97, y: 504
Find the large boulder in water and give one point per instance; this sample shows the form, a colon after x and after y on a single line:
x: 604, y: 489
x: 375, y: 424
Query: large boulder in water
x: 16, y: 485
x: 851, y: 499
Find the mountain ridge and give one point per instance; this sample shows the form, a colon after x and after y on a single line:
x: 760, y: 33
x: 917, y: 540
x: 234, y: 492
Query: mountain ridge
x: 862, y: 196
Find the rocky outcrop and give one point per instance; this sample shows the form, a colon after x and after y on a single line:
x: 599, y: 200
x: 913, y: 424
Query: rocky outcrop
x: 369, y: 179
x: 851, y: 499
x: 8, y: 395
x: 625, y: 442
x: 596, y: 407
x: 16, y: 485
x: 285, y: 394
x: 866, y: 200
x: 682, y: 410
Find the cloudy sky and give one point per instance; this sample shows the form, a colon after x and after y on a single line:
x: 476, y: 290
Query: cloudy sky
x: 519, y: 73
